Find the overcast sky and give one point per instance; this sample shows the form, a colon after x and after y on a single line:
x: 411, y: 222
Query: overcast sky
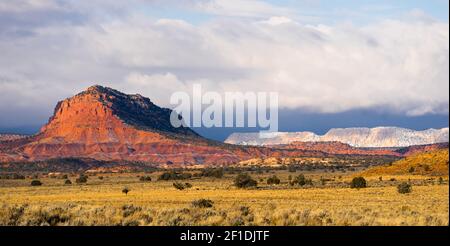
x: 323, y: 57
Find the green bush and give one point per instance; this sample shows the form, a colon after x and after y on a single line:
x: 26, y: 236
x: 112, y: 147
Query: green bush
x: 358, y: 182
x: 178, y: 186
x: 203, y: 203
x: 145, y: 179
x: 245, y: 211
x: 17, y: 176
x: 125, y: 190
x: 292, y: 169
x: 174, y: 176
x: 36, y: 183
x: 81, y: 179
x: 244, y: 180
x: 128, y: 210
x: 212, y: 172
x: 301, y: 180
x: 273, y: 180
x: 404, y: 188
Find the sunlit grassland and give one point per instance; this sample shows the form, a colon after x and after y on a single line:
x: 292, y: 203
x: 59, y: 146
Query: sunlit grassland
x: 101, y: 202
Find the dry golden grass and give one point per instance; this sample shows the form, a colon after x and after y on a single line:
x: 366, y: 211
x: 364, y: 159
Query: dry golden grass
x: 101, y: 202
x: 434, y: 163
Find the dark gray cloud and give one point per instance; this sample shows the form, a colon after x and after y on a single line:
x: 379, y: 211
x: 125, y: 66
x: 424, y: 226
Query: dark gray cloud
x: 52, y: 49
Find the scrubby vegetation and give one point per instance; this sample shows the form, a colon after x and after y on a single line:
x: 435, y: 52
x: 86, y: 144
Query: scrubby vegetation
x: 125, y: 190
x: 324, y: 199
x: 244, y: 180
x: 358, y: 183
x: 81, y: 179
x: 433, y: 163
x: 404, y: 188
x: 181, y: 186
x: 145, y: 178
x: 174, y: 176
x: 12, y: 176
x: 301, y: 180
x: 203, y: 203
x: 36, y: 183
x: 273, y: 180
x: 211, y: 172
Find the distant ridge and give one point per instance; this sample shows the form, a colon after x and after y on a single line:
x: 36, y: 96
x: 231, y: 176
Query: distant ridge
x: 104, y: 124
x: 357, y: 137
x: 9, y: 137
x: 434, y: 163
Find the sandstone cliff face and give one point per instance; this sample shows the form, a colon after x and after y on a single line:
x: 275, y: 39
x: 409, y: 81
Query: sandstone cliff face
x: 357, y: 137
x: 10, y: 137
x: 338, y: 148
x: 104, y: 124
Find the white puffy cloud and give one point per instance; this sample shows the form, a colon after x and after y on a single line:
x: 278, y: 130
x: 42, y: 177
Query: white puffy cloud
x: 243, y: 8
x: 400, y: 65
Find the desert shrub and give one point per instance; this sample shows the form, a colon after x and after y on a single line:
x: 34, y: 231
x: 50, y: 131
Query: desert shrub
x: 12, y: 176
x: 404, y: 188
x: 441, y: 180
x: 125, y: 190
x: 64, y: 176
x: 358, y: 182
x: 244, y: 180
x: 178, y: 186
x: 36, y: 183
x: 17, y: 176
x: 145, y: 179
x: 393, y: 179
x: 245, y: 211
x: 100, y: 177
x: 411, y: 170
x: 174, y: 176
x: 81, y: 179
x: 67, y: 182
x: 273, y: 180
x: 203, y: 203
x: 188, y: 185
